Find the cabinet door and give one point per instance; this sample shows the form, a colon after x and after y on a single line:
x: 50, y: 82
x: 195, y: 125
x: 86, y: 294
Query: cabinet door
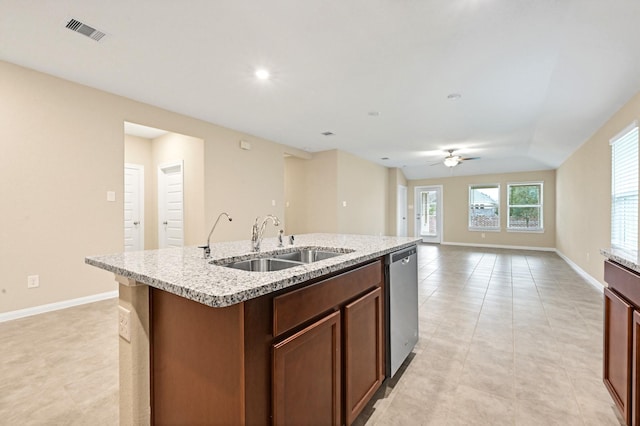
x: 364, y: 369
x: 618, y: 315
x: 306, y: 375
x: 635, y: 378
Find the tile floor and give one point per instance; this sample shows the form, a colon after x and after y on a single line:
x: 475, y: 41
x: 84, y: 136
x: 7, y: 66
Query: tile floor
x: 506, y: 337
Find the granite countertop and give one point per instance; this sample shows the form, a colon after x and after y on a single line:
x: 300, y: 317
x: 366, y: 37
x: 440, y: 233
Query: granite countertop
x: 623, y: 257
x: 185, y: 272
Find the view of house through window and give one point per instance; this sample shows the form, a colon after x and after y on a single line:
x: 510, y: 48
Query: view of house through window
x: 484, y: 207
x: 525, y: 207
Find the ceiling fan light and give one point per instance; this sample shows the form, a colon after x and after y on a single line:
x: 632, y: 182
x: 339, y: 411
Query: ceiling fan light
x: 451, y: 161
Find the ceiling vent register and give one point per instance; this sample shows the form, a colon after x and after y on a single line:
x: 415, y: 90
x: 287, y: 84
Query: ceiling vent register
x: 85, y: 29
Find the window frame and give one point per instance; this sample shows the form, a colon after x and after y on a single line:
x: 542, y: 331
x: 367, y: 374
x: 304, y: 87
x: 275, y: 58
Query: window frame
x: 470, y: 227
x: 540, y: 205
x: 615, y: 243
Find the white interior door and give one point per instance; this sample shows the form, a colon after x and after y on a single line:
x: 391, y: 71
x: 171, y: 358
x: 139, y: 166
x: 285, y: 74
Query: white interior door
x: 428, y: 202
x: 133, y: 207
x: 401, y: 214
x: 170, y: 205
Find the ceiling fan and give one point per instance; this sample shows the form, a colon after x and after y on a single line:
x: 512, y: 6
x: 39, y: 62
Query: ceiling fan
x: 453, y: 160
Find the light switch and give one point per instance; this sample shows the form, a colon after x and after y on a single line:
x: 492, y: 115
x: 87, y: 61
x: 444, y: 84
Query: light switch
x: 111, y: 195
x: 344, y: 204
x: 273, y: 203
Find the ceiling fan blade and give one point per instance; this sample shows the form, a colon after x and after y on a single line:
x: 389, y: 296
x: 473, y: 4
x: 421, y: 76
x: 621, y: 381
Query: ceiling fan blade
x: 469, y: 158
x: 436, y: 163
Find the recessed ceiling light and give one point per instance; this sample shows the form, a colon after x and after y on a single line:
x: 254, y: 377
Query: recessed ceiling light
x: 262, y: 74
x: 454, y: 96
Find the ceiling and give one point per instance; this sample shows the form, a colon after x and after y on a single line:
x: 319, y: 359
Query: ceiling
x: 536, y: 78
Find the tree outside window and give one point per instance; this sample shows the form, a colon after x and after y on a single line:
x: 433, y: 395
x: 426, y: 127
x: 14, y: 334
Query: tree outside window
x: 525, y: 207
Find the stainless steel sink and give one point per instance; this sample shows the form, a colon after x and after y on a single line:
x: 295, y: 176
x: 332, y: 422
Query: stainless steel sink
x: 307, y: 255
x: 278, y: 261
x: 262, y: 265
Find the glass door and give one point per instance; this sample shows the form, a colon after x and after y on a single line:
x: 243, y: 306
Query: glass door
x: 428, y: 202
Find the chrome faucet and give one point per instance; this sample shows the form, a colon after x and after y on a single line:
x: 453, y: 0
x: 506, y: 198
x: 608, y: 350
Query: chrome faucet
x: 257, y: 231
x: 207, y: 248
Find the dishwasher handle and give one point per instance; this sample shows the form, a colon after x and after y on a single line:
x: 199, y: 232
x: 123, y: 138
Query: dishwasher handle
x: 403, y: 255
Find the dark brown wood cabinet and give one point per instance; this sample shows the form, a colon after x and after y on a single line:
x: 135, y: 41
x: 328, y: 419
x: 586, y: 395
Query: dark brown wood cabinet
x: 618, y: 335
x: 312, y: 354
x: 364, y: 368
x: 306, y: 375
x: 621, y: 347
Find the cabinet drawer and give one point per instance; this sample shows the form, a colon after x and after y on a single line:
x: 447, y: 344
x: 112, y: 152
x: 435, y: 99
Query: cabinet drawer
x: 623, y: 281
x: 294, y: 308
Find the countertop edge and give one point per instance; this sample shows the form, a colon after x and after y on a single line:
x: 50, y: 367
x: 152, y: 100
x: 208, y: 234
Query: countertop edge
x: 281, y: 280
x: 624, y: 258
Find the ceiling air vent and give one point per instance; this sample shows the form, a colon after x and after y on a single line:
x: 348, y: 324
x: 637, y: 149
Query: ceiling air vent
x: 84, y: 29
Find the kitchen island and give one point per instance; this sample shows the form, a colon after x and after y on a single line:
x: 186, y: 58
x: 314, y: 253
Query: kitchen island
x: 206, y: 343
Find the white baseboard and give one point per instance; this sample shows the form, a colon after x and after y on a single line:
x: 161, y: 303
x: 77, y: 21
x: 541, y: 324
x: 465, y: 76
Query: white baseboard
x: 498, y: 246
x: 595, y: 283
x: 21, y: 313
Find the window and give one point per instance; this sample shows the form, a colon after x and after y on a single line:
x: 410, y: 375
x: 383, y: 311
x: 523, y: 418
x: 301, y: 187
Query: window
x: 524, y: 204
x: 624, y: 189
x: 484, y: 207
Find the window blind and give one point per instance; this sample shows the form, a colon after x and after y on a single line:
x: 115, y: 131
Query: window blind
x: 624, y: 189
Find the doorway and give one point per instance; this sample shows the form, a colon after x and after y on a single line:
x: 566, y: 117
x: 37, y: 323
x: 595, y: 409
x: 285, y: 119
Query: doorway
x: 154, y: 149
x: 133, y: 207
x: 428, y: 202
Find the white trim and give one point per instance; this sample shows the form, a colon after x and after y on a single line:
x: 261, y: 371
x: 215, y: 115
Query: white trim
x: 590, y: 279
x: 623, y: 132
x: 439, y: 214
x: 447, y: 243
x: 27, y: 312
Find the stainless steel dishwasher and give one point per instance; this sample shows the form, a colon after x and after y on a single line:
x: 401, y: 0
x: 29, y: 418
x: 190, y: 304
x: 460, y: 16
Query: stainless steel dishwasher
x: 402, y: 306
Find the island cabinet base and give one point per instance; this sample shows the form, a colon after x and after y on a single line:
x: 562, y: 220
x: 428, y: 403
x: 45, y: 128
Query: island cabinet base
x: 621, y: 347
x: 274, y: 359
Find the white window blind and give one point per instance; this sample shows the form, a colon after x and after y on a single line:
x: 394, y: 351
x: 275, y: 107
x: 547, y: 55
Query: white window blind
x: 624, y: 189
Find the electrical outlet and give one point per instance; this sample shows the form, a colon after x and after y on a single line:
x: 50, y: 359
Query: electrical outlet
x: 124, y: 323
x: 33, y: 281
x: 483, y: 236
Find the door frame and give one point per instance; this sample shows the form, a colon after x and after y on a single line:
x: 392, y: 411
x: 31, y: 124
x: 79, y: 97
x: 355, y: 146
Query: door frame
x: 141, y: 184
x: 161, y: 199
x: 439, y: 213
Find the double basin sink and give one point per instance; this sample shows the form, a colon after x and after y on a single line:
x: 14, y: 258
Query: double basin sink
x: 279, y: 261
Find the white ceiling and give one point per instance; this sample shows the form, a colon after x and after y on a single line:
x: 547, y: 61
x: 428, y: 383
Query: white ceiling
x: 537, y: 77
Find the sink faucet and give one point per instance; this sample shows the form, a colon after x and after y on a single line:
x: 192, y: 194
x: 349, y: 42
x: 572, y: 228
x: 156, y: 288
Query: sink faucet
x: 257, y: 231
x: 207, y: 248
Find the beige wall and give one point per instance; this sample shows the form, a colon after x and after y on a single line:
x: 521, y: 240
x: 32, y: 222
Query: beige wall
x: 456, y: 217
x: 63, y: 150
x: 363, y: 186
x: 584, y: 195
x: 316, y: 189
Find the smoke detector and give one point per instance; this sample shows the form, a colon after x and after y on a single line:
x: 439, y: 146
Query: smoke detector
x: 84, y: 29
